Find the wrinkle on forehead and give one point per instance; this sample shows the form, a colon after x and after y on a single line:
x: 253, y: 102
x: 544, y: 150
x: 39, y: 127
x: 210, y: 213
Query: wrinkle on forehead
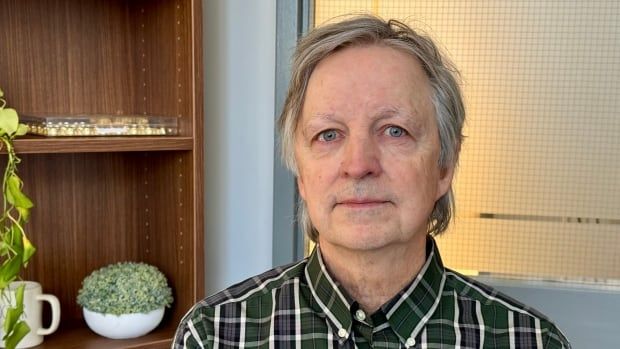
x: 368, y: 84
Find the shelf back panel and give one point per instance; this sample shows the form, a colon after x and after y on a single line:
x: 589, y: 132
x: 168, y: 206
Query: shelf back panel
x: 117, y: 57
x: 93, y: 209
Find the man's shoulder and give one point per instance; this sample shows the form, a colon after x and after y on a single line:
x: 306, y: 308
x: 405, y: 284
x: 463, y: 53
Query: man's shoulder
x: 197, y: 324
x: 257, y: 286
x: 252, y: 298
x: 468, y: 288
x: 498, y: 306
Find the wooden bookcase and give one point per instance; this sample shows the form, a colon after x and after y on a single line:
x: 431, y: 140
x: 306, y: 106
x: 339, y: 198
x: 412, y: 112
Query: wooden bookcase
x: 101, y: 200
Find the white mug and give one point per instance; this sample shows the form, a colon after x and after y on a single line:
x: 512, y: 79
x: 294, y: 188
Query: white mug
x: 33, y: 307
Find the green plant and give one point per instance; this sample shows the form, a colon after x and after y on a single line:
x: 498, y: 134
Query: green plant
x: 124, y: 288
x: 15, y: 248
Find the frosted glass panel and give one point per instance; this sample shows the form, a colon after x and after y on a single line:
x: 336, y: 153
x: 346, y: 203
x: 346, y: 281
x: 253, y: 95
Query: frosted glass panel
x: 538, y: 188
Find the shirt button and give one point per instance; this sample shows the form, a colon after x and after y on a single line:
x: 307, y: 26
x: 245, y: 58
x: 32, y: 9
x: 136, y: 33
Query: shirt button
x: 342, y: 333
x: 360, y: 315
x: 410, y: 342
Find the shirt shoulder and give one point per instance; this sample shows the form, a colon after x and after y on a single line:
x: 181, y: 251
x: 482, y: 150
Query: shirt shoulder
x: 257, y: 286
x: 502, y: 310
x: 196, y: 328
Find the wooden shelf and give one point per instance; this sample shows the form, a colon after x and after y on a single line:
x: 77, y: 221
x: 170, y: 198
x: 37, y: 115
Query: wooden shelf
x: 78, y: 336
x: 103, y: 200
x: 34, y: 144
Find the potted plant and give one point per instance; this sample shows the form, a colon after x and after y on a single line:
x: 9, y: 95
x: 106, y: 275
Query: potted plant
x: 124, y: 300
x: 15, y: 248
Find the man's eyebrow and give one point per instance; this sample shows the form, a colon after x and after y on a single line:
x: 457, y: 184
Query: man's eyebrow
x: 390, y: 112
x: 393, y: 111
x: 310, y: 125
x: 389, y: 109
x: 321, y: 116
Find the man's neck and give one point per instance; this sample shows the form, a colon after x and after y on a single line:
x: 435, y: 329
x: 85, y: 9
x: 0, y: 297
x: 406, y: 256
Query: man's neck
x: 374, y: 277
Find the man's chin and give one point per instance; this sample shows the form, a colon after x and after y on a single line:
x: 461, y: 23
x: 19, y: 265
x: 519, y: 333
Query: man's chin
x: 369, y: 237
x: 363, y: 238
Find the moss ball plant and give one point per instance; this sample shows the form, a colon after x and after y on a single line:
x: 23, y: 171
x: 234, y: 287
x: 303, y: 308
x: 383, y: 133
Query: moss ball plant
x: 125, y: 288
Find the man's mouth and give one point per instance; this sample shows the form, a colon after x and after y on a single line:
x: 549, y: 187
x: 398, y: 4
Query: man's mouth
x: 361, y: 203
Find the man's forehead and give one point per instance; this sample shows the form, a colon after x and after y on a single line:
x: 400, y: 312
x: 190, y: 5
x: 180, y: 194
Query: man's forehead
x: 395, y: 85
x: 355, y: 54
x: 376, y: 68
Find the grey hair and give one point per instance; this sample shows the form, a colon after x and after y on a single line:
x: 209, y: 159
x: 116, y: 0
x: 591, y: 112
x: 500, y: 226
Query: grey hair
x: 370, y: 30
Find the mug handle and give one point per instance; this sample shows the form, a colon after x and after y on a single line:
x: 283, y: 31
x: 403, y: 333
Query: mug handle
x: 55, y: 304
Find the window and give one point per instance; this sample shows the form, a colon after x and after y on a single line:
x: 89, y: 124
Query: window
x: 538, y: 186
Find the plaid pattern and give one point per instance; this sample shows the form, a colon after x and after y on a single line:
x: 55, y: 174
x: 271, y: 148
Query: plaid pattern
x: 300, y: 306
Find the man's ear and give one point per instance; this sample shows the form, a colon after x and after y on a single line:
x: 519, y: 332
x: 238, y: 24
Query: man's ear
x: 446, y: 174
x: 301, y: 187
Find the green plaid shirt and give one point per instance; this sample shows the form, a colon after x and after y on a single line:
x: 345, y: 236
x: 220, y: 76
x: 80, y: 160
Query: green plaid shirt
x: 301, y: 306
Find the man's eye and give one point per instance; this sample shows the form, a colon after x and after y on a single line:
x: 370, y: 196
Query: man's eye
x: 395, y: 131
x: 328, y: 136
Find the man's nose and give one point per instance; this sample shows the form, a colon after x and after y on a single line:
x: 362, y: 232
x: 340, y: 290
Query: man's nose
x: 361, y: 158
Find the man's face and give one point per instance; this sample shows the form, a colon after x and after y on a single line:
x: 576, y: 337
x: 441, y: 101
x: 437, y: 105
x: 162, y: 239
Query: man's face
x: 367, y: 149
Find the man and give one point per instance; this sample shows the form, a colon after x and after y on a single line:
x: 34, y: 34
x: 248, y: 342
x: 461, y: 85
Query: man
x: 372, y: 130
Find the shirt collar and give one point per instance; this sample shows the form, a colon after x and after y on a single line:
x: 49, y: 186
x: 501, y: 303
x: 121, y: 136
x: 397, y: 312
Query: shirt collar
x: 407, y: 312
x: 330, y: 299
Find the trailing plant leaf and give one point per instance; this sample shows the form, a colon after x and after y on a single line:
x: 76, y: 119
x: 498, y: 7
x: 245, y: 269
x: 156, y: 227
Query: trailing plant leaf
x: 14, y: 312
x: 24, y: 213
x: 9, y: 270
x: 9, y: 120
x: 15, y: 248
x: 19, y: 331
x: 18, y: 199
x: 21, y: 130
x: 29, y: 250
x: 17, y: 243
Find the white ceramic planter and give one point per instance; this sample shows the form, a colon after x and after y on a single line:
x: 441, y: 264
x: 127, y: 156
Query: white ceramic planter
x: 123, y: 326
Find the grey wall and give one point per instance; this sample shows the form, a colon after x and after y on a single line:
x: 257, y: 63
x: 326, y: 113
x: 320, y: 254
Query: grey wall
x: 293, y: 18
x: 239, y: 58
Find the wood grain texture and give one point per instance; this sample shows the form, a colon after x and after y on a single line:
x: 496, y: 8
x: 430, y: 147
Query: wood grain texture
x: 93, y: 209
x: 116, y: 57
x: 76, y: 335
x: 102, y: 200
x: 36, y: 144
